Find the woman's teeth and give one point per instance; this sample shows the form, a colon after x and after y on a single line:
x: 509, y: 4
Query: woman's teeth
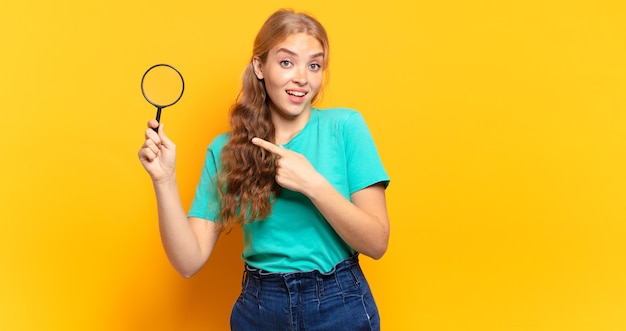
x: 296, y: 93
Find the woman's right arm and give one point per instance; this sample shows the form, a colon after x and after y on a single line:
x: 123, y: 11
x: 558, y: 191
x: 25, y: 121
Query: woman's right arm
x: 188, y: 242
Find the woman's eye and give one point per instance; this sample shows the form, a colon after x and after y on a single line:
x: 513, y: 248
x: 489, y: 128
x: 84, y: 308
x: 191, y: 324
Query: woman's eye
x: 315, y: 66
x: 285, y: 63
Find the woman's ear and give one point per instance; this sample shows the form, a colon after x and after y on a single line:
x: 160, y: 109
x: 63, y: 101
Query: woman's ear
x: 256, y: 65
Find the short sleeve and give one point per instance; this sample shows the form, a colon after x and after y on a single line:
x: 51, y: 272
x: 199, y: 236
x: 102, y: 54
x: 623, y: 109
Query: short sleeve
x: 206, y: 203
x: 364, y: 166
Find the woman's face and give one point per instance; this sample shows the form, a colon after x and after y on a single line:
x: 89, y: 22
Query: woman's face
x: 293, y: 74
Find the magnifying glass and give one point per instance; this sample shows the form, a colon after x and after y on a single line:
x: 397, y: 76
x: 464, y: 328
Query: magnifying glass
x: 162, y: 85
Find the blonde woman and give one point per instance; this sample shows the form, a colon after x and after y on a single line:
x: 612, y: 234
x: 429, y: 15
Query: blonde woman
x: 306, y: 185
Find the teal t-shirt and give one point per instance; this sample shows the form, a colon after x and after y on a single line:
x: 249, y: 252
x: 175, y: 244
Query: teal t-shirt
x: 296, y: 237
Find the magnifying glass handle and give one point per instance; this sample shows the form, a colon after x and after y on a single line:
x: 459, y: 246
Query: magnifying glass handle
x: 158, y: 118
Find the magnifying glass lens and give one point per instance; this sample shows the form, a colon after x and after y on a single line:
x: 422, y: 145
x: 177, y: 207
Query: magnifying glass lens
x: 162, y: 85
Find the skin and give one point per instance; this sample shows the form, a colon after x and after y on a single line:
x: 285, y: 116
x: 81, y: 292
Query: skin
x: 293, y: 75
x: 362, y: 223
x: 188, y: 242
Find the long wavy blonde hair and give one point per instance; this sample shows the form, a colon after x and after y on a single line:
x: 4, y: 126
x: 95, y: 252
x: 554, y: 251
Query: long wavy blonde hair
x: 247, y: 179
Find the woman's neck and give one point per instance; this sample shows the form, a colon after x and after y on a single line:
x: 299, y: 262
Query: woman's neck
x: 287, y: 128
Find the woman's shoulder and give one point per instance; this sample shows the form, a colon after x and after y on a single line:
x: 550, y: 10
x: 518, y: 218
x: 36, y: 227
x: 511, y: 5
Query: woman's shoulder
x: 337, y: 111
x: 218, y: 142
x: 338, y: 114
x: 341, y: 117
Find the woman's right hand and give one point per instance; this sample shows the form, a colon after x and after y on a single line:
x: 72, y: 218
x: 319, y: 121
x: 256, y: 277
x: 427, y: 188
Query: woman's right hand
x: 158, y: 153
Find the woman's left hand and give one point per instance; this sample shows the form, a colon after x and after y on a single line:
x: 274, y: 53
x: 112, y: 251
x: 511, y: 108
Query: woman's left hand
x: 362, y: 221
x: 293, y: 170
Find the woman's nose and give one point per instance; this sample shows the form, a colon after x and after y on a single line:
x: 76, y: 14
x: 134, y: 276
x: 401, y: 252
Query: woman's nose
x: 300, y: 76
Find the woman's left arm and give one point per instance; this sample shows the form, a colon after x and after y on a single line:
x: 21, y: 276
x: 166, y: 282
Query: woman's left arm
x: 362, y: 223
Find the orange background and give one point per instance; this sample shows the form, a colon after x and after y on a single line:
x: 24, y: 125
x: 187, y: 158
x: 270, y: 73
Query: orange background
x: 501, y: 124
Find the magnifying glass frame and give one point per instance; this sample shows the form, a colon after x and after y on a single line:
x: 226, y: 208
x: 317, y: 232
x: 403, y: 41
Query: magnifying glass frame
x: 158, y: 106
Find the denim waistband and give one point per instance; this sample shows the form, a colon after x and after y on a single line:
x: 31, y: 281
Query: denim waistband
x: 330, y: 300
x: 267, y: 275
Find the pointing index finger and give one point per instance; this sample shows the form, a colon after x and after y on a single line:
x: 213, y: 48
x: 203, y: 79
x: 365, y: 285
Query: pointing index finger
x: 268, y: 146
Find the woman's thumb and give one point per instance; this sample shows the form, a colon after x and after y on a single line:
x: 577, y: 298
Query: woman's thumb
x: 164, y: 137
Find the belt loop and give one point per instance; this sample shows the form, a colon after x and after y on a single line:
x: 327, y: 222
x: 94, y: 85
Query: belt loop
x: 257, y: 288
x: 320, y: 286
x: 319, y: 279
x: 244, y: 277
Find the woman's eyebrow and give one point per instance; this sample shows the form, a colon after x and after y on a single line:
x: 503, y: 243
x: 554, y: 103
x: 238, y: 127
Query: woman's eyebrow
x: 316, y: 55
x: 292, y: 53
x: 286, y: 50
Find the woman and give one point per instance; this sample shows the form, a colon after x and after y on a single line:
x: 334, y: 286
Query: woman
x: 306, y: 185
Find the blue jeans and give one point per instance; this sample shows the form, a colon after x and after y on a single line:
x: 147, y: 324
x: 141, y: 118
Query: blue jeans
x: 305, y: 301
